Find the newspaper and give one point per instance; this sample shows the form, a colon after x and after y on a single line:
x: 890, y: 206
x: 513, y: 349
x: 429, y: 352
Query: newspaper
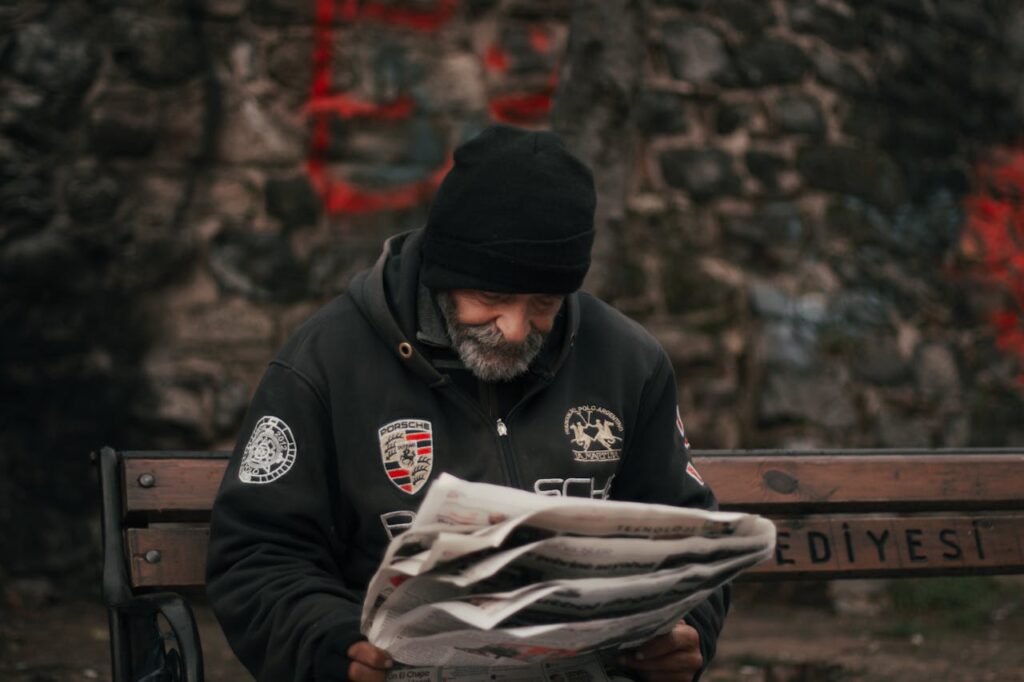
x: 501, y: 583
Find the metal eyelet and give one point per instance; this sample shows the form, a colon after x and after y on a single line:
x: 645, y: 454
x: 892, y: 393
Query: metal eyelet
x: 405, y: 349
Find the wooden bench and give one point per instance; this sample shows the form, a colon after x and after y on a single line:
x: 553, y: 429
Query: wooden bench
x: 839, y: 514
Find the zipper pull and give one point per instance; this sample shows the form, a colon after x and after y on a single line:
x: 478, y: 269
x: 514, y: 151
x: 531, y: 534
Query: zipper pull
x: 502, y: 429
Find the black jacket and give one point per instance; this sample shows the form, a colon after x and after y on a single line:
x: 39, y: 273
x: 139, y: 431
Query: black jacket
x: 357, y: 414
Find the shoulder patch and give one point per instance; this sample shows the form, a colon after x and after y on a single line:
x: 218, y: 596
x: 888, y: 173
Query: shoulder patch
x: 270, y: 452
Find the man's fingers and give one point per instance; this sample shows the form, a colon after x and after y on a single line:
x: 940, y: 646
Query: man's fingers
x: 689, y: 662
x: 359, y: 672
x: 681, y: 638
x: 369, y: 656
x: 672, y: 656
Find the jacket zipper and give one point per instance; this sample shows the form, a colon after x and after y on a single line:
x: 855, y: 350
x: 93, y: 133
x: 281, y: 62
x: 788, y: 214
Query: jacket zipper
x: 505, y: 443
x: 507, y: 454
x: 501, y: 429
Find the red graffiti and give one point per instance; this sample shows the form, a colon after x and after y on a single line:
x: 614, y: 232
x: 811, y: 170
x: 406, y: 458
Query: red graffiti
x: 341, y: 196
x: 540, y: 41
x: 346, y: 106
x: 994, y: 241
x: 525, y: 108
x: 424, y: 20
x: 496, y: 59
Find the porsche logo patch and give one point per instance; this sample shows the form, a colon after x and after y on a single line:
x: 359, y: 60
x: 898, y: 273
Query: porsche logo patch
x: 407, y: 451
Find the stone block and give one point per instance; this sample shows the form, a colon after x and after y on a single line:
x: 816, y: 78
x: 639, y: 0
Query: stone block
x: 787, y: 344
x: 704, y: 173
x: 820, y: 398
x: 457, y: 85
x: 225, y: 9
x: 92, y: 193
x: 878, y: 359
x: 971, y: 18
x: 258, y: 265
x: 771, y: 61
x: 688, y: 288
x: 157, y: 49
x: 732, y: 116
x: 660, y: 113
x: 775, y: 225
x: 798, y: 113
x: 696, y: 53
x: 904, y: 431
x: 153, y: 249
x: 230, y: 404
x: 766, y: 166
x: 840, y: 29
x: 867, y: 173
x: 833, y: 71
x: 235, y: 199
x: 282, y: 12
x: 59, y: 61
x: 289, y: 63
x: 684, y: 347
x: 185, y: 113
x: 253, y: 131
x: 751, y: 17
x: 123, y: 123
x: 937, y: 373
x: 226, y: 324
x: 292, y: 200
x: 26, y: 198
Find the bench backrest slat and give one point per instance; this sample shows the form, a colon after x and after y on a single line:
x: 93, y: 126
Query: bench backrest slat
x: 180, y: 560
x: 773, y: 482
x: 766, y: 483
x: 176, y: 485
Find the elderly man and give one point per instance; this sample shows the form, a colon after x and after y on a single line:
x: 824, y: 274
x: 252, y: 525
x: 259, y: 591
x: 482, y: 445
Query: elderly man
x: 467, y: 349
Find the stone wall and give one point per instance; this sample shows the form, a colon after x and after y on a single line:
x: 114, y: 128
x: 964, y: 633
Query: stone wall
x: 822, y: 221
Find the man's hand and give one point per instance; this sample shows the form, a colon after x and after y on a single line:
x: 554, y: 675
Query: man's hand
x: 369, y: 664
x: 673, y: 656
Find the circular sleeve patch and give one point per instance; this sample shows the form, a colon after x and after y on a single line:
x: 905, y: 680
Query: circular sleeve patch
x: 270, y: 452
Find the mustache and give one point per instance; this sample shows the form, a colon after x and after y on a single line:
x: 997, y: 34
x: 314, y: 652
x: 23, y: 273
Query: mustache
x: 489, y: 336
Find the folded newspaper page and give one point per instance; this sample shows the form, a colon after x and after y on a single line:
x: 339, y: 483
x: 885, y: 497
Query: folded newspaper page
x: 502, y: 583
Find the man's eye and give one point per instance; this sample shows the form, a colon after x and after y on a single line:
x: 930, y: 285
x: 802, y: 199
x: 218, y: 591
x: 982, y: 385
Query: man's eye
x: 548, y: 302
x: 491, y: 297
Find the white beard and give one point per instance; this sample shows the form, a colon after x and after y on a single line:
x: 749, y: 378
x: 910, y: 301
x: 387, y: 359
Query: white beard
x: 484, y: 350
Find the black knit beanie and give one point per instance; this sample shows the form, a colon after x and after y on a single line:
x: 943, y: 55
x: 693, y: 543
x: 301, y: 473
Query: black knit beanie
x: 515, y: 215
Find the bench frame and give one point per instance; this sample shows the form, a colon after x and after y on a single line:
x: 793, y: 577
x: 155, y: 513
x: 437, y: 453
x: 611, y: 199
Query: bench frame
x: 839, y: 514
x: 132, y: 615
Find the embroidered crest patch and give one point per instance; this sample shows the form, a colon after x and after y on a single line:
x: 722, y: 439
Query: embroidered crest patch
x: 270, y: 452
x: 595, y: 433
x: 407, y: 451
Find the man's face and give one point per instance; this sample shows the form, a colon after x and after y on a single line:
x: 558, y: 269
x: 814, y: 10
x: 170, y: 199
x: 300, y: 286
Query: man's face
x: 496, y: 335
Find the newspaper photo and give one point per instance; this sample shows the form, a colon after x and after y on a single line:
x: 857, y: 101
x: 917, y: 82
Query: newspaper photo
x: 499, y: 582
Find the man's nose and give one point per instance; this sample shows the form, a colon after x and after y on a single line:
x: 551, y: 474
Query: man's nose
x: 514, y: 324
